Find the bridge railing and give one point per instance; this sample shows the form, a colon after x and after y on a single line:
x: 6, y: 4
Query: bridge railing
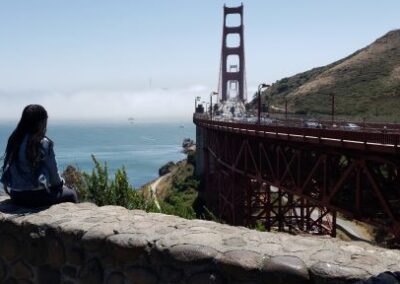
x: 296, y: 128
x: 326, y: 120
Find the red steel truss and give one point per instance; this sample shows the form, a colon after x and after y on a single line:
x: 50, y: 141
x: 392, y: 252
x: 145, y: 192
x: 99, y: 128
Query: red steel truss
x: 295, y: 179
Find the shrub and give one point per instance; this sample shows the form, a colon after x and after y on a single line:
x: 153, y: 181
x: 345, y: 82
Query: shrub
x: 98, y: 188
x: 191, y: 158
x: 282, y: 87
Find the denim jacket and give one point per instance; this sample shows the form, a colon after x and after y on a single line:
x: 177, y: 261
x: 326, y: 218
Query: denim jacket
x: 22, y: 177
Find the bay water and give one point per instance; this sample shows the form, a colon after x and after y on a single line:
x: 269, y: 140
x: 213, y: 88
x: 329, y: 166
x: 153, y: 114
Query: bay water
x: 142, y: 148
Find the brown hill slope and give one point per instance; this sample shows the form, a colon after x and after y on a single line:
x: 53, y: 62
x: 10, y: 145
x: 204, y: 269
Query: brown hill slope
x: 365, y: 84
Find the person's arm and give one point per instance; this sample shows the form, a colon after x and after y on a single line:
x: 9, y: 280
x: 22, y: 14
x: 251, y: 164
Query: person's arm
x: 4, y: 183
x: 4, y: 179
x: 50, y: 164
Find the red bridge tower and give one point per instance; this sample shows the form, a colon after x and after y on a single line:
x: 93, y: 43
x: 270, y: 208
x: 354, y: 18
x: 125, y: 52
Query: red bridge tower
x: 232, y: 83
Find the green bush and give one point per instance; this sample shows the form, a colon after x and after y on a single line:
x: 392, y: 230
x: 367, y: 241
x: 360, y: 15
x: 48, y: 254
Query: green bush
x: 100, y: 189
x: 191, y: 158
x: 177, y: 205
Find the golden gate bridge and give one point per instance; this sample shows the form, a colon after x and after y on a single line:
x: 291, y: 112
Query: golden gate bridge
x: 284, y: 174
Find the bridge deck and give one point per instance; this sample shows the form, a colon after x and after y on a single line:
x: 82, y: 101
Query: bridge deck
x: 369, y: 139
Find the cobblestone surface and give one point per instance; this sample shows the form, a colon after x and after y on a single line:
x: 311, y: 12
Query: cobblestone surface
x: 83, y: 243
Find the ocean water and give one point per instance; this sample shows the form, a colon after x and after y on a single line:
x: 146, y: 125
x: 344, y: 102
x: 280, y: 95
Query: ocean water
x: 142, y: 148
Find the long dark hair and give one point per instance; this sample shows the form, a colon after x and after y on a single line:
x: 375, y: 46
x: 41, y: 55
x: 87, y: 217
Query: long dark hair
x: 32, y: 123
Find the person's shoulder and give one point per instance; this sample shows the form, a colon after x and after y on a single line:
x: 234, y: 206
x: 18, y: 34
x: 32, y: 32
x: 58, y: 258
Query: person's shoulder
x: 46, y: 143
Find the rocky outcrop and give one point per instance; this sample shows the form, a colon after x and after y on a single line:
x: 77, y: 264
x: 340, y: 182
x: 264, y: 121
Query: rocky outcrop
x: 83, y: 243
x: 167, y: 168
x: 188, y: 145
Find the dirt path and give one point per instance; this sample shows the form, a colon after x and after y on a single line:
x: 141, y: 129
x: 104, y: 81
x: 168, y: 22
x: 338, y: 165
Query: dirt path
x: 354, y: 231
x: 153, y: 189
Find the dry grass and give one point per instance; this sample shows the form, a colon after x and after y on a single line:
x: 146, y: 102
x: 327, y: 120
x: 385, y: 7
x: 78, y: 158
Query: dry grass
x: 365, y: 84
x: 166, y: 183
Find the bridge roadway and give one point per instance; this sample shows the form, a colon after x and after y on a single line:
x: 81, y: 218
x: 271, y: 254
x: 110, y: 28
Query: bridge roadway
x: 356, y: 172
x: 371, y: 138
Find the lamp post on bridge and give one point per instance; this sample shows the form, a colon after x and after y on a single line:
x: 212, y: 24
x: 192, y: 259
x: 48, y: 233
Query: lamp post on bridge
x: 260, y: 87
x: 213, y: 93
x: 285, y: 109
x: 196, y: 99
x: 333, y: 107
x: 206, y: 107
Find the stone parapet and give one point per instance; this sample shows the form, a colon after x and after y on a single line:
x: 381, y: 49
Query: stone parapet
x: 83, y: 243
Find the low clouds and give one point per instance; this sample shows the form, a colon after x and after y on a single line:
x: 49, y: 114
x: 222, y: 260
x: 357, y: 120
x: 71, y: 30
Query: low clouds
x: 146, y: 105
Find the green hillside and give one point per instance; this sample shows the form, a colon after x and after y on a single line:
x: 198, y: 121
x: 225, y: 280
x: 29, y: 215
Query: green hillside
x: 365, y: 84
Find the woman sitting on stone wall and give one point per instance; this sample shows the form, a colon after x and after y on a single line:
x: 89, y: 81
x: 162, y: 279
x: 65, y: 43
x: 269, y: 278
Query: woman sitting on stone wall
x: 29, y: 173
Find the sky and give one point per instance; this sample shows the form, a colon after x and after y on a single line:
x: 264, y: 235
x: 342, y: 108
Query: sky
x: 149, y: 59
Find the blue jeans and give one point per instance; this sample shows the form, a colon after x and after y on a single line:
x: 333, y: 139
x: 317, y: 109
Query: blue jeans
x: 43, y: 198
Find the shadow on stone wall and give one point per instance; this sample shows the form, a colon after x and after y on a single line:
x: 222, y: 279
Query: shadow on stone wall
x: 8, y: 207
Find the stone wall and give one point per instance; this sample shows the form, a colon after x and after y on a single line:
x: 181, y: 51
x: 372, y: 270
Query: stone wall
x: 83, y: 243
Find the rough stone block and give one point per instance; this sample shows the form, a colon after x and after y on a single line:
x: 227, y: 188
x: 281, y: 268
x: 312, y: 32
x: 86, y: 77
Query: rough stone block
x: 75, y: 256
x: 192, y: 253
x: 330, y: 273
x: 3, y: 270
x: 21, y: 270
x: 35, y: 249
x: 170, y: 274
x: 240, y: 264
x: 140, y: 275
x: 56, y: 253
x: 206, y: 278
x: 92, y: 272
x: 95, y: 237
x: 116, y: 278
x: 126, y: 247
x: 47, y: 274
x: 9, y: 247
x: 285, y: 270
x: 69, y: 271
x: 11, y: 281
